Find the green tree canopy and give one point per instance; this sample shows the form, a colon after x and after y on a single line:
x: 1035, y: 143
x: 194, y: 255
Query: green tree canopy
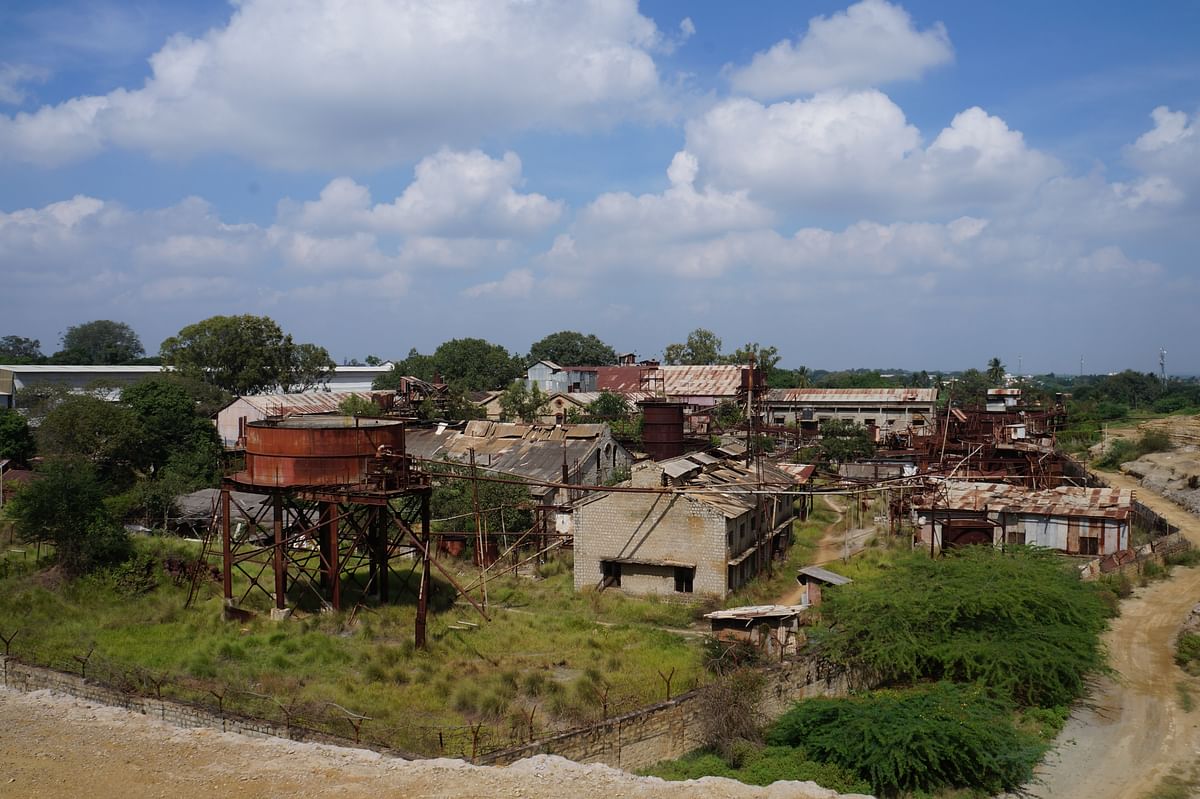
x: 466, y: 364
x: 518, y: 402
x: 16, y: 439
x: 703, y: 347
x: 569, y: 348
x: 170, y: 426
x: 245, y: 355
x: 609, y: 406
x: 843, y: 440
x: 995, y: 372
x: 66, y: 508
x: 19, y: 350
x: 87, y: 428
x: 100, y: 342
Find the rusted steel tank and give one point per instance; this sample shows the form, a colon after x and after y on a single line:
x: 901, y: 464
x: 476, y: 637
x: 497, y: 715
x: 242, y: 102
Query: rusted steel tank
x: 316, y: 451
x: 662, y: 429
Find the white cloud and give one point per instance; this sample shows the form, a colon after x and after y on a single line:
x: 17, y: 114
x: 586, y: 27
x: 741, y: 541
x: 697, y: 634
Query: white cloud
x: 869, y: 44
x: 12, y: 80
x: 1171, y: 149
x: 517, y: 283
x: 464, y: 194
x: 855, y: 151
x: 322, y: 83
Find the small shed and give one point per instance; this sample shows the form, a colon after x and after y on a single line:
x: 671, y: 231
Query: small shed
x: 811, y: 579
x: 773, y: 628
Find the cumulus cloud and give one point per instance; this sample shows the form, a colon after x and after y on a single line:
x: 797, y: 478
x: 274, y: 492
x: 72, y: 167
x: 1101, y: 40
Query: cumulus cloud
x: 453, y: 194
x: 517, y: 283
x: 856, y: 150
x: 1171, y: 149
x: 869, y: 44
x: 323, y: 84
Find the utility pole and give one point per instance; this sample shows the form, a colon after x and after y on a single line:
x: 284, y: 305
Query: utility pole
x: 1162, y: 366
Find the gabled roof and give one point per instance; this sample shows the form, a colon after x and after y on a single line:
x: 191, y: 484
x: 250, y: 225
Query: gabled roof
x: 1094, y: 503
x: 309, y: 402
x: 719, y: 380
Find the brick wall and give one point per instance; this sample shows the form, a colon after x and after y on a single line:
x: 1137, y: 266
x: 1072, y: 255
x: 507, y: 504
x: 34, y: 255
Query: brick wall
x: 671, y: 729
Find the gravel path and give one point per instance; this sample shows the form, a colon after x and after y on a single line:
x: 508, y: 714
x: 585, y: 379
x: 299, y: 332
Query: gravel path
x: 53, y: 746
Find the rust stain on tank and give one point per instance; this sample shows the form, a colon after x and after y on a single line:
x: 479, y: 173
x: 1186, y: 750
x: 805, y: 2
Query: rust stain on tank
x: 311, y: 451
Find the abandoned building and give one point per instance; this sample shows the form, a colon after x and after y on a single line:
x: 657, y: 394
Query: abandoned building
x: 812, y: 581
x: 1072, y: 520
x: 887, y: 410
x: 774, y: 629
x: 583, y: 454
x: 698, y: 387
x: 715, y: 525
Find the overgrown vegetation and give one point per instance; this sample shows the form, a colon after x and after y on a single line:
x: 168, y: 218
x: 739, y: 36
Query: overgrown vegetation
x: 918, y: 739
x: 550, y: 657
x: 1019, y: 622
x: 1124, y: 449
x: 760, y: 765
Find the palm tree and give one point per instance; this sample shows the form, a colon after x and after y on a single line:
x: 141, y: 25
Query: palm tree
x: 995, y: 371
x: 802, y: 376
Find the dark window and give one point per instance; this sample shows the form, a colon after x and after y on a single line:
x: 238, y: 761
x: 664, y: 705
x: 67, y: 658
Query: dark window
x: 683, y: 579
x: 1015, y: 537
x: 611, y: 572
x: 1089, y: 545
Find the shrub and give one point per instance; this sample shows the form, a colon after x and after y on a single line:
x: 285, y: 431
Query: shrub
x: 1187, y: 650
x: 925, y: 739
x: 728, y: 710
x: 1019, y: 621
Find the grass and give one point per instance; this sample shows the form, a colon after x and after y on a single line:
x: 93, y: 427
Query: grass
x: 806, y: 536
x: 549, y: 659
x: 1179, y: 784
x: 1186, y: 701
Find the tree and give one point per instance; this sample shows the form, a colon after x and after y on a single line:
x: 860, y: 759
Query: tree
x: 474, y: 364
x: 843, y: 440
x: 702, y: 347
x: 971, y: 387
x: 995, y: 372
x: 569, y: 348
x: 609, y: 406
x: 171, y: 429
x: 245, y: 355
x: 100, y: 342
x: 766, y: 358
x: 20, y: 350
x: 66, y: 508
x: 87, y: 428
x: 354, y: 405
x: 16, y: 439
x: 518, y: 402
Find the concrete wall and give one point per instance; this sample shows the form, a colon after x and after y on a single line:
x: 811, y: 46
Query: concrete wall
x: 671, y: 729
x: 654, y: 527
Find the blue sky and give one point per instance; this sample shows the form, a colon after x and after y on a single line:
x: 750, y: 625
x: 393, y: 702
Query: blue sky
x: 920, y: 185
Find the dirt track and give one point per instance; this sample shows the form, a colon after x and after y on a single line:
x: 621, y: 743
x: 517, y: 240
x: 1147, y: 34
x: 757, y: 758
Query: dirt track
x: 1133, y: 731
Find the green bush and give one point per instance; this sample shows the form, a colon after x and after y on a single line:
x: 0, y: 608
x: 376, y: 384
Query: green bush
x: 1019, y: 621
x: 761, y: 766
x: 924, y: 739
x: 1187, y: 650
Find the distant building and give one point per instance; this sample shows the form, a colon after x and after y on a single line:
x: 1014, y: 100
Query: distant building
x: 1070, y: 519
x: 583, y: 454
x: 720, y: 528
x: 699, y: 387
x: 13, y: 378
x: 885, y: 409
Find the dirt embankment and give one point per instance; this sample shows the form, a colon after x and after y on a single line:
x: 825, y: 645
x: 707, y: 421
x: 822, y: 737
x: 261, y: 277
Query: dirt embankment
x: 53, y: 746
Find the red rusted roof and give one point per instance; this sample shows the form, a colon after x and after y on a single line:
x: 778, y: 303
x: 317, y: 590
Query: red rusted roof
x: 1110, y: 503
x: 719, y: 380
x: 851, y: 395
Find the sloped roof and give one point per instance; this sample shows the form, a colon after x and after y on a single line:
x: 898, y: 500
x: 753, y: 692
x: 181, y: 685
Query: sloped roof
x: 729, y: 486
x: 718, y: 380
x: 1111, y: 503
x: 749, y: 612
x: 824, y: 575
x: 309, y: 402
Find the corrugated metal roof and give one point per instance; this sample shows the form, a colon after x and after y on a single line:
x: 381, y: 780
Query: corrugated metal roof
x: 824, y: 575
x: 800, y: 396
x: 719, y: 380
x: 757, y: 612
x: 1110, y: 503
x: 801, y: 472
x: 309, y: 402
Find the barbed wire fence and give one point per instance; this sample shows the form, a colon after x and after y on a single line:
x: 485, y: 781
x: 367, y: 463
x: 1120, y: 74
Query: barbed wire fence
x: 291, y: 714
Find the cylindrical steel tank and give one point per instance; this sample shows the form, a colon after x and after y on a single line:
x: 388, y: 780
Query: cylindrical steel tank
x: 662, y: 429
x: 316, y: 451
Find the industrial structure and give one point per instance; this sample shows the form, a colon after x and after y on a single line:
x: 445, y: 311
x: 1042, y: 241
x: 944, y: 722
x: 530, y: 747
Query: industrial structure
x: 340, y: 494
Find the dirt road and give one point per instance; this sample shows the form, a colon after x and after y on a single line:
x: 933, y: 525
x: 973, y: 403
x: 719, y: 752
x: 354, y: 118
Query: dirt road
x: 1133, y: 730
